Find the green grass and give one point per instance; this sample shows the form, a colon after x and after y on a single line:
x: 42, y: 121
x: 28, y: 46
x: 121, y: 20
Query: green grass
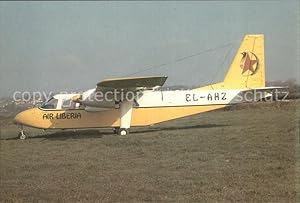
x: 247, y: 154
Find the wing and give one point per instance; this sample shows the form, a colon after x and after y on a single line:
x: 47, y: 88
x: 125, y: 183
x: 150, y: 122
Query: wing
x: 132, y: 83
x: 116, y: 87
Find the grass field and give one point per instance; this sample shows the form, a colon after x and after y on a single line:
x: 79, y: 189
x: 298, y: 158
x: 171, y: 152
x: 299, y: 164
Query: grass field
x: 246, y: 154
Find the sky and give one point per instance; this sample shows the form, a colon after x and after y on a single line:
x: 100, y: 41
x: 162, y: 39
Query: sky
x: 66, y: 46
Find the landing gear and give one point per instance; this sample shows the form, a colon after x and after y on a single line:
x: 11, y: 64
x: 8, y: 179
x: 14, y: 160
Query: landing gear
x: 116, y: 130
x: 22, y: 135
x: 123, y: 131
x: 125, y: 117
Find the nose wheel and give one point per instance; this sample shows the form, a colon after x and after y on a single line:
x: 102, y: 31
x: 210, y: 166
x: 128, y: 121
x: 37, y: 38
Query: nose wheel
x: 22, y: 135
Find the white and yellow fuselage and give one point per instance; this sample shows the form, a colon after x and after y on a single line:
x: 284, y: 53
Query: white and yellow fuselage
x: 151, y: 108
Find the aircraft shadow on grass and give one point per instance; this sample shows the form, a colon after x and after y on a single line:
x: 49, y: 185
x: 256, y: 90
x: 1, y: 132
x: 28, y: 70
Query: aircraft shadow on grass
x: 98, y: 133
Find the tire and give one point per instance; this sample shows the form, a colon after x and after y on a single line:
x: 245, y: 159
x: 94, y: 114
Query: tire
x: 116, y: 130
x: 22, y: 136
x: 123, y: 131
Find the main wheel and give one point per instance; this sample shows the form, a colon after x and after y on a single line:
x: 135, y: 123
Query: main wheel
x: 116, y: 130
x: 22, y: 136
x: 123, y: 131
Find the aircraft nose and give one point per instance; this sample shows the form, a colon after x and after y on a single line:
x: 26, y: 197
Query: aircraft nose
x: 19, y: 118
x: 24, y: 117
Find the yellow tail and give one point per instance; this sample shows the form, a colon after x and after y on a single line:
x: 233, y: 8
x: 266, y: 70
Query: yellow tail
x: 248, y: 67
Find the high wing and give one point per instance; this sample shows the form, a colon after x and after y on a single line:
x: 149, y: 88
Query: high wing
x: 132, y: 83
x: 135, y: 85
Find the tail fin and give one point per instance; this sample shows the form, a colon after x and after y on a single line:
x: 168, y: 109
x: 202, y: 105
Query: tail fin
x: 248, y: 67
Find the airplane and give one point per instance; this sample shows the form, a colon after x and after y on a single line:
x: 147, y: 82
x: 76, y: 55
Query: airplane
x: 149, y: 104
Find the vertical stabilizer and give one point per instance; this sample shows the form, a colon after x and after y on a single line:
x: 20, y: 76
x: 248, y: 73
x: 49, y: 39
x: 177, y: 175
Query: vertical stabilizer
x: 247, y: 69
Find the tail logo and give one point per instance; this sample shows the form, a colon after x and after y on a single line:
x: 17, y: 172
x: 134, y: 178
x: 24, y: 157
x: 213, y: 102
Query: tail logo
x: 249, y: 63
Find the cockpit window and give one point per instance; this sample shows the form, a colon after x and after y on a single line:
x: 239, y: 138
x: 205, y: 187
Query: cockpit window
x: 50, y: 104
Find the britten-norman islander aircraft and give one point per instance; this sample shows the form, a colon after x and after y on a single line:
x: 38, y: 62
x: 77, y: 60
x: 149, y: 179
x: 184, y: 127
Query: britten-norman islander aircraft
x: 148, y: 104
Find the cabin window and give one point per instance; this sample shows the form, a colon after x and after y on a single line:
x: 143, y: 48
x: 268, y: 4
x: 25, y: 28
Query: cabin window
x: 50, y: 104
x: 68, y: 104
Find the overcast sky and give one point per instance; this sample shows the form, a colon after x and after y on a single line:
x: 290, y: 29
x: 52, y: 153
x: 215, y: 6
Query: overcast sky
x: 53, y: 46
